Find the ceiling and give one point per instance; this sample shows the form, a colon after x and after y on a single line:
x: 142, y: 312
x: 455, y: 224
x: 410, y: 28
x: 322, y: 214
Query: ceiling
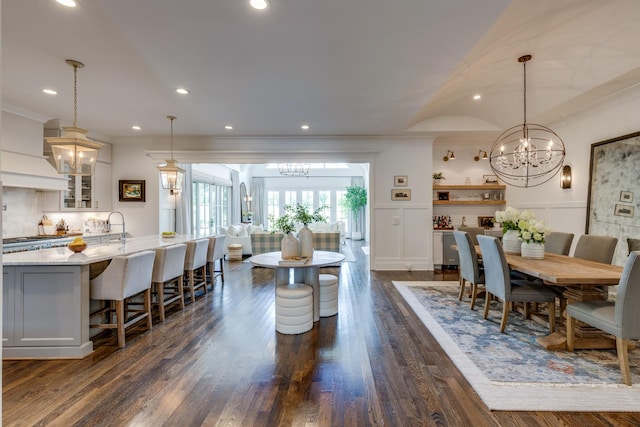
x: 345, y: 67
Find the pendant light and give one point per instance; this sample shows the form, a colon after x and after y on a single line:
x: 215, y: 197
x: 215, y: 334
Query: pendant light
x: 73, y: 153
x: 528, y: 154
x: 170, y: 174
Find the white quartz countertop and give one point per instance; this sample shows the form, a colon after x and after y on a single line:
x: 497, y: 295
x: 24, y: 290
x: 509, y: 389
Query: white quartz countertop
x: 93, y: 253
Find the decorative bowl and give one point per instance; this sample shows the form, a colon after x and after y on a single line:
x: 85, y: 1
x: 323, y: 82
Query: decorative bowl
x: 77, y: 248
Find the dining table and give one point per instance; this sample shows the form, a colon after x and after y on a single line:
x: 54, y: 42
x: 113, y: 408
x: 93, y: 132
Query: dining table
x: 580, y: 280
x: 305, y: 270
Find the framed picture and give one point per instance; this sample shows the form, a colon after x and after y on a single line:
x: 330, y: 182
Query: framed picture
x: 400, y: 194
x: 485, y: 221
x: 400, y: 181
x: 626, y: 196
x: 131, y: 190
x: 490, y: 179
x: 624, y: 210
x: 443, y: 195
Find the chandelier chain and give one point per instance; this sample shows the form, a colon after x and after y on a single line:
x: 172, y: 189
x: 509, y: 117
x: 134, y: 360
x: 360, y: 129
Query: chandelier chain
x: 75, y: 96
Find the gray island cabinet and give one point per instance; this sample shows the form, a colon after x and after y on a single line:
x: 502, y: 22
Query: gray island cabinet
x: 46, y: 301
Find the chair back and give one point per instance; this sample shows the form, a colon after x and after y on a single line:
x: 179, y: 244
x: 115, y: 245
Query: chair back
x: 196, y: 256
x: 627, y: 315
x: 169, y: 262
x: 469, y: 268
x: 634, y: 244
x: 215, y: 250
x: 473, y: 232
x: 125, y: 276
x: 558, y: 243
x: 596, y: 248
x: 496, y: 269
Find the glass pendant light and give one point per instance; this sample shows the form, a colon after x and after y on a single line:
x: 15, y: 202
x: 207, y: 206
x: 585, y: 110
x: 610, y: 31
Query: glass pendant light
x: 171, y: 174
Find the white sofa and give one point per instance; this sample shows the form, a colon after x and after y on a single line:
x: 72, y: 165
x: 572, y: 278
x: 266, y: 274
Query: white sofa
x: 239, y: 233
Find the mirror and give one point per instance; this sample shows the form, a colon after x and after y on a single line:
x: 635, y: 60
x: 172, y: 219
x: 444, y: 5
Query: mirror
x: 243, y: 202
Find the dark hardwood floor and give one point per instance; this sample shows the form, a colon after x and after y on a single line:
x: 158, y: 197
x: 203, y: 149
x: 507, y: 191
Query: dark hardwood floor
x: 220, y: 362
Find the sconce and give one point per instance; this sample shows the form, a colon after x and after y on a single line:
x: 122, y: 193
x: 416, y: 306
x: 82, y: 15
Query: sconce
x: 565, y: 177
x: 449, y: 156
x: 484, y: 156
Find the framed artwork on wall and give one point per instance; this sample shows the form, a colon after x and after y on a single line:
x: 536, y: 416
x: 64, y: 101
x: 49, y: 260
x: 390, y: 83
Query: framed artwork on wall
x: 400, y: 181
x: 131, y: 190
x: 400, y: 194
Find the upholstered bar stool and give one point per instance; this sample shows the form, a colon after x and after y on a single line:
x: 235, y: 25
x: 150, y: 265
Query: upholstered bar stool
x: 125, y: 277
x: 294, y: 308
x: 215, y: 252
x: 195, y: 266
x: 328, y: 295
x: 167, y: 277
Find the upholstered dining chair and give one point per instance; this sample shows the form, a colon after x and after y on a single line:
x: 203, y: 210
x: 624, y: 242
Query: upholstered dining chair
x: 620, y: 318
x: 195, y: 266
x: 215, y: 253
x: 558, y: 242
x: 125, y: 276
x: 498, y: 283
x: 470, y: 270
x: 633, y: 244
x: 167, y: 278
x: 596, y: 248
x: 473, y: 232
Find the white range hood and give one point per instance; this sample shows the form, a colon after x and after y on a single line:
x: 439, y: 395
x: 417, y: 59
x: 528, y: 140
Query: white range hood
x: 28, y: 171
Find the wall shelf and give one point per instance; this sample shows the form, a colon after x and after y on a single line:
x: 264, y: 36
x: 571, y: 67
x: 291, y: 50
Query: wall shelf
x: 469, y: 202
x: 470, y: 187
x: 464, y: 190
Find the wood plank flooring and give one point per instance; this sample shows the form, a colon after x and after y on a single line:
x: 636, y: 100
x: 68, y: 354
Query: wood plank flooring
x: 220, y: 362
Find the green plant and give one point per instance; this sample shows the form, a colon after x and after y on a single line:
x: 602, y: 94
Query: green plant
x: 285, y: 223
x: 355, y: 199
x: 301, y: 214
x: 438, y: 175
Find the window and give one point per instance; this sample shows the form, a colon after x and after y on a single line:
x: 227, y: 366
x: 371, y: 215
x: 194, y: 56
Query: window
x: 210, y: 208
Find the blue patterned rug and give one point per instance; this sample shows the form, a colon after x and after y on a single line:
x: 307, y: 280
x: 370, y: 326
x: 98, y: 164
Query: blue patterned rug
x: 511, y: 371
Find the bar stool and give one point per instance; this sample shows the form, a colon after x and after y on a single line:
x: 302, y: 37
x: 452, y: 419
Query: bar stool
x: 195, y: 265
x: 167, y: 277
x: 215, y: 252
x: 294, y: 308
x: 125, y: 277
x: 328, y: 295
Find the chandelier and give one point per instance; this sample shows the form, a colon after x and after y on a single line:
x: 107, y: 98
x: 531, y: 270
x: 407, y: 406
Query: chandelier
x: 171, y: 174
x: 529, y: 154
x: 294, y: 169
x: 73, y: 153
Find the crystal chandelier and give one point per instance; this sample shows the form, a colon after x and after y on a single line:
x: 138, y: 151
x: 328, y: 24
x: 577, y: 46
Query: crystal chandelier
x: 171, y: 174
x: 73, y: 153
x: 527, y: 155
x: 294, y: 169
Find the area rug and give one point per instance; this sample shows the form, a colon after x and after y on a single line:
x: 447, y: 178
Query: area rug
x: 510, y: 371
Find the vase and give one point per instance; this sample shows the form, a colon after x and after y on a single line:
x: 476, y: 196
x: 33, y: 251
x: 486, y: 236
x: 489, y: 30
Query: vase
x: 510, y: 242
x: 289, y: 247
x: 532, y: 250
x: 306, y: 242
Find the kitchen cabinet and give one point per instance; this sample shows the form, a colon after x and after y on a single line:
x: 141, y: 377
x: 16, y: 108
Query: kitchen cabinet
x: 437, y: 248
x: 485, y: 194
x: 79, y: 193
x: 84, y: 193
x: 102, y: 186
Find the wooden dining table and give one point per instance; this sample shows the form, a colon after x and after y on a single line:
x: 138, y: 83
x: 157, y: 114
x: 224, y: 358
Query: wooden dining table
x: 582, y: 280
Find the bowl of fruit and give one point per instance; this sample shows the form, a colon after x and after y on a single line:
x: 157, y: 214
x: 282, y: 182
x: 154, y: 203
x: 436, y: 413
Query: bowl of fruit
x: 168, y: 234
x: 77, y: 245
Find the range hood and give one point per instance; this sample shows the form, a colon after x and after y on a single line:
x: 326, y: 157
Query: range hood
x: 28, y: 171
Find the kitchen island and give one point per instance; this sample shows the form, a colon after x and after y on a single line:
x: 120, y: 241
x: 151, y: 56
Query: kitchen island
x: 46, y: 301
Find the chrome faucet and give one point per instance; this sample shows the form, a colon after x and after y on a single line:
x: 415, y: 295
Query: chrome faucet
x: 123, y: 235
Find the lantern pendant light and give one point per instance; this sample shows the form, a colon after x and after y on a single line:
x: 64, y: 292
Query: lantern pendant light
x: 170, y: 174
x: 73, y: 153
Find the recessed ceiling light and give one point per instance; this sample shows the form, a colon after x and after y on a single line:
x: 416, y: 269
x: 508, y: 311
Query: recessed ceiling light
x: 50, y: 91
x: 228, y: 127
x: 477, y: 97
x: 136, y: 127
x: 304, y: 127
x: 182, y: 91
x: 259, y: 4
x: 68, y: 3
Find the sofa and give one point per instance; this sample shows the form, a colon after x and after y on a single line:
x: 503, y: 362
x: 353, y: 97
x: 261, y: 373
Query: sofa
x: 240, y: 233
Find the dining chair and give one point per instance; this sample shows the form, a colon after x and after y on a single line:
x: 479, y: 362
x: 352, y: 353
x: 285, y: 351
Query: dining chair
x: 473, y: 232
x: 595, y: 248
x: 167, y: 277
x: 470, y: 270
x: 633, y: 244
x: 195, y: 266
x: 498, y: 283
x: 558, y: 242
x: 620, y: 318
x: 215, y: 253
x: 125, y: 277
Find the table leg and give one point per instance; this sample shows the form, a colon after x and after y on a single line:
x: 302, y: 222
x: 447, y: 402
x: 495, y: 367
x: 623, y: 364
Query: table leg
x: 282, y: 276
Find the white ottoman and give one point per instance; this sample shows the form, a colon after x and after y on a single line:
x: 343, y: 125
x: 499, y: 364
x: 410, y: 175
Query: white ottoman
x: 294, y: 308
x: 328, y: 295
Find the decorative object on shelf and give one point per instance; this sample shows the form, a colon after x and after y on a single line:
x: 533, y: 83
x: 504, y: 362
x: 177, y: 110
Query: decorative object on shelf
x: 481, y: 155
x: 565, y: 177
x: 443, y: 195
x: 400, y: 194
x: 73, y: 153
x: 528, y: 154
x: 171, y: 174
x: 400, y: 181
x: 489, y: 179
x: 449, y: 156
x: 485, y: 221
x: 131, y: 190
x: 442, y: 222
x: 438, y: 177
x: 294, y: 169
x: 355, y: 199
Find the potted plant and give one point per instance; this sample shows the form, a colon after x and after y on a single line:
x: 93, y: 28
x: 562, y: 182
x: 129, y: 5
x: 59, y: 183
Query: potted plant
x: 289, y: 244
x: 438, y: 177
x: 355, y: 200
x: 302, y: 215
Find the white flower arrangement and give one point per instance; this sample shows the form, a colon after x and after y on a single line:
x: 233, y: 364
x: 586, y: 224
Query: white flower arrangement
x: 532, y: 231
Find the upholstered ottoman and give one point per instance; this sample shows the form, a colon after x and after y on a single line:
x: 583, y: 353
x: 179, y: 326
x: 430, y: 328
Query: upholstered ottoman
x: 328, y: 295
x: 294, y: 308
